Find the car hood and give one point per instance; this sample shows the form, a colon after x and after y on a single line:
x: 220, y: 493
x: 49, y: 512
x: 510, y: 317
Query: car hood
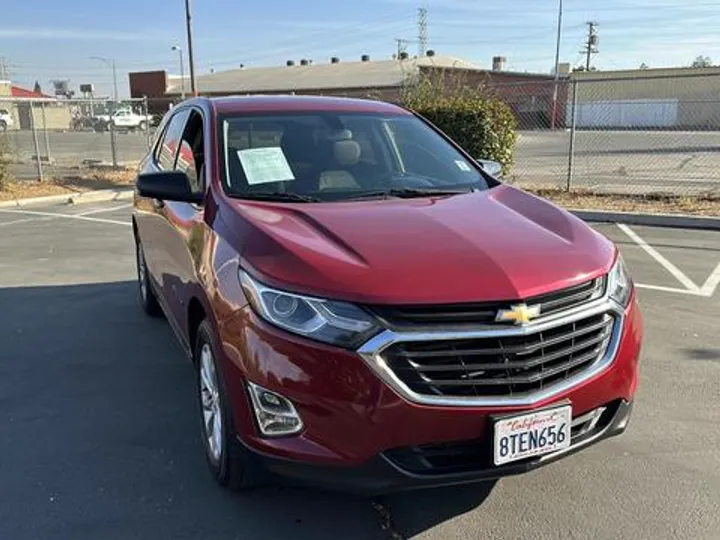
x: 499, y: 244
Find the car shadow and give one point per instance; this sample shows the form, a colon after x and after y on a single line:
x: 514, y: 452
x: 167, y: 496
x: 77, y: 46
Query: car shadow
x: 704, y: 354
x: 100, y: 437
x: 410, y: 513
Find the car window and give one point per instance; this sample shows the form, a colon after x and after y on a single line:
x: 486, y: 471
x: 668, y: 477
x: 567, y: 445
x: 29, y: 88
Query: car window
x: 191, y: 158
x: 171, y: 141
x: 424, y: 153
x: 332, y: 156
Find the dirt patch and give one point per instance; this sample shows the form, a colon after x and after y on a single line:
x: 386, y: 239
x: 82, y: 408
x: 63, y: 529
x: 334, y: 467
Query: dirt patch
x: 70, y: 185
x: 705, y: 205
x: 708, y: 205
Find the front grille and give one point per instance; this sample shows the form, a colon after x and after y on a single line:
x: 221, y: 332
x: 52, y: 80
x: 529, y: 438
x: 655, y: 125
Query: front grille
x: 465, y: 456
x: 485, y: 312
x: 511, y: 365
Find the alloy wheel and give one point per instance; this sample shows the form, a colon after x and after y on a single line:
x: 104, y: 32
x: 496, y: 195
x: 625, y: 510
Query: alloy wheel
x: 210, y: 399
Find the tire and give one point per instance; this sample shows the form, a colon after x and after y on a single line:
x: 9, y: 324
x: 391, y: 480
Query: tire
x: 148, y: 300
x: 142, y: 126
x: 227, y: 459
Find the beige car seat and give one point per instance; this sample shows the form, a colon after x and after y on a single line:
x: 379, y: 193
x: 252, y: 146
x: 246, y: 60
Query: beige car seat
x: 345, y: 153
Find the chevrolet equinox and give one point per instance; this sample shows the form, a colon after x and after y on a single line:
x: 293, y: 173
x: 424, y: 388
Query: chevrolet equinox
x: 367, y: 306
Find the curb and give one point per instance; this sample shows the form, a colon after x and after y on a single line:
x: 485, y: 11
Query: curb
x: 680, y: 221
x: 102, y: 195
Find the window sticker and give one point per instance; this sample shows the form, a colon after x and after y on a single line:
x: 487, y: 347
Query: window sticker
x: 265, y: 165
x: 463, y: 166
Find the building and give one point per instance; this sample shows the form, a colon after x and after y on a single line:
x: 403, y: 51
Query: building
x: 671, y: 98
x: 26, y: 106
x: 530, y: 95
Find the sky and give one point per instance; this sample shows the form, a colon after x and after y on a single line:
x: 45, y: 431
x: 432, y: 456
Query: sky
x: 44, y: 39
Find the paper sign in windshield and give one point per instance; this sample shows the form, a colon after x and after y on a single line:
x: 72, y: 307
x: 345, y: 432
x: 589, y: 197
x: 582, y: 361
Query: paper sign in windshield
x: 463, y: 166
x: 265, y: 165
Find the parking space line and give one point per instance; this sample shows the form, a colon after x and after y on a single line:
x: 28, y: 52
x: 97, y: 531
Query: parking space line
x: 670, y: 289
x: 26, y: 220
x: 711, y: 283
x: 67, y: 216
x: 101, y: 210
x: 670, y: 267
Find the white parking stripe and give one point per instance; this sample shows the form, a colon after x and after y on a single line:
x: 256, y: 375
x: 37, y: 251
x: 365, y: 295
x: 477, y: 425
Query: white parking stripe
x: 67, y: 216
x: 712, y: 283
x: 26, y: 220
x: 670, y: 267
x: 101, y: 210
x: 669, y: 289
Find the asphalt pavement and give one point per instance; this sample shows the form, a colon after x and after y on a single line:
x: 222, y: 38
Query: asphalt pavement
x: 100, y: 434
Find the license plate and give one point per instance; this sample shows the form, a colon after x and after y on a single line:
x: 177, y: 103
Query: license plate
x: 532, y: 434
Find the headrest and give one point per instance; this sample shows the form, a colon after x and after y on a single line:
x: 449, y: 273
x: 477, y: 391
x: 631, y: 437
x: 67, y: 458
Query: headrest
x: 346, y: 153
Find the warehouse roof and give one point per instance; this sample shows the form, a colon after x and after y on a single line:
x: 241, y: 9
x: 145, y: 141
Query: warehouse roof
x: 370, y: 74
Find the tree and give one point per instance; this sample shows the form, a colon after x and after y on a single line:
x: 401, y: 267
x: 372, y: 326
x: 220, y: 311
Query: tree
x: 37, y: 88
x: 644, y: 66
x: 702, y: 62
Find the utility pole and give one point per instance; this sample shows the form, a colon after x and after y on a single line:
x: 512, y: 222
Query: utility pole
x: 188, y: 17
x: 4, y: 71
x: 591, y: 46
x: 422, y: 31
x: 557, y: 65
x: 401, y: 46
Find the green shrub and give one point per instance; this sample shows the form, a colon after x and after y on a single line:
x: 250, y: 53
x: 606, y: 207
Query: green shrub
x: 479, y: 121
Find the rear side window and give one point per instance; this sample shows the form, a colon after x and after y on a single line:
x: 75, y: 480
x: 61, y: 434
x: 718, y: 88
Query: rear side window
x: 171, y: 141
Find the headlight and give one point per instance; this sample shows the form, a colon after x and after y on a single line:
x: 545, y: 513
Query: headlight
x: 337, y: 323
x: 619, y: 283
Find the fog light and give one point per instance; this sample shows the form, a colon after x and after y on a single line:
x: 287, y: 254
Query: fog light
x: 275, y: 414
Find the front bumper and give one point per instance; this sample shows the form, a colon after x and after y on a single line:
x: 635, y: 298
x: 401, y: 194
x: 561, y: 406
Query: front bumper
x: 355, y: 422
x: 383, y: 474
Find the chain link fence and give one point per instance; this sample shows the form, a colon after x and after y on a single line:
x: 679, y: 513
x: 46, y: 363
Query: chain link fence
x: 592, y: 131
x: 52, y: 138
x: 631, y: 135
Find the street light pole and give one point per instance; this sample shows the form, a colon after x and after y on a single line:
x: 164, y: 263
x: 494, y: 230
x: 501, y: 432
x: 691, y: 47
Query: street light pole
x: 113, y: 141
x: 557, y: 65
x: 191, y: 61
x: 182, y: 68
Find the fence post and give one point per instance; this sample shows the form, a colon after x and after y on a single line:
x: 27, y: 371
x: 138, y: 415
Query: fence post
x: 45, y: 133
x: 573, y: 124
x: 113, y: 141
x: 36, y: 143
x: 147, y: 120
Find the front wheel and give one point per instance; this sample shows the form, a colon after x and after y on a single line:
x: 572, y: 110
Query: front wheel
x: 225, y: 456
x: 142, y: 126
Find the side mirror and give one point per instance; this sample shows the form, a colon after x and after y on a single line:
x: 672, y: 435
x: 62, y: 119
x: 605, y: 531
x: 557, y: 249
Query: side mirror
x: 493, y: 168
x: 167, y: 186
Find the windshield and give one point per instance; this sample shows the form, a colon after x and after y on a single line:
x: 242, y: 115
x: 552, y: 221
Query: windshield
x: 328, y: 156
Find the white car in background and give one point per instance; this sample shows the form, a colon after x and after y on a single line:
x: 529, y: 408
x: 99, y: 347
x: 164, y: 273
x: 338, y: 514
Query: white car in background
x: 6, y: 120
x: 125, y: 119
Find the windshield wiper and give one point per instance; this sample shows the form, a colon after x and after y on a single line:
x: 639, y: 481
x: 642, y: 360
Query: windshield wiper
x: 409, y: 193
x: 276, y: 196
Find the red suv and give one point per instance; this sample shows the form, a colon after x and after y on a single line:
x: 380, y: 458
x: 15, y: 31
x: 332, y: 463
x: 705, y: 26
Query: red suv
x: 367, y: 306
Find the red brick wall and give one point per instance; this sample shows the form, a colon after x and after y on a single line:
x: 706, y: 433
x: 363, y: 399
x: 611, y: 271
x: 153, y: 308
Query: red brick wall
x: 530, y: 96
x: 151, y: 84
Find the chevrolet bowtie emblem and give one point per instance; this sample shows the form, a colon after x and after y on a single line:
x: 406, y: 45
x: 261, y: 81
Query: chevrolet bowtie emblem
x: 519, y: 314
